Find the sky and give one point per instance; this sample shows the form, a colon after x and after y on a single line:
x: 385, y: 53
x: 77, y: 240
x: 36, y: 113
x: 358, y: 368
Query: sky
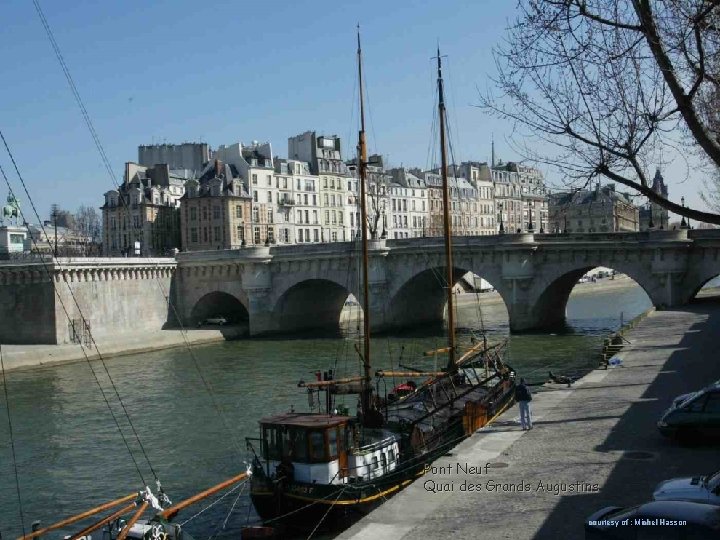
x: 227, y: 71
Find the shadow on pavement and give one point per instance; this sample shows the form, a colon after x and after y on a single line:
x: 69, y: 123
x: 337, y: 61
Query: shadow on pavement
x: 631, y: 481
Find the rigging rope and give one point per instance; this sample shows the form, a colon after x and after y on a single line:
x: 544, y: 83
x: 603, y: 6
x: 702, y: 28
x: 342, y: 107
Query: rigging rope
x: 12, y: 440
x: 326, y: 513
x: 64, y: 308
x: 108, y: 167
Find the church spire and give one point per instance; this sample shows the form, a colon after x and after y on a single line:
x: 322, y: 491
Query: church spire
x: 492, y: 153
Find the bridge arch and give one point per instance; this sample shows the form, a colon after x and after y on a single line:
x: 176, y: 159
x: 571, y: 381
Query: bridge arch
x: 548, y: 298
x: 219, y: 304
x: 422, y: 298
x: 310, y: 305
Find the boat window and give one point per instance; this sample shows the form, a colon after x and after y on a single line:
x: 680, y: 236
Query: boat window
x: 332, y: 443
x: 273, y: 443
x: 317, y: 446
x: 391, y: 454
x: 383, y: 461
x: 299, y: 445
x: 374, y: 463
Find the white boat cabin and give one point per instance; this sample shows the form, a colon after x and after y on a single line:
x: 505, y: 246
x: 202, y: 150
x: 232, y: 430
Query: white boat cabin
x: 324, y: 449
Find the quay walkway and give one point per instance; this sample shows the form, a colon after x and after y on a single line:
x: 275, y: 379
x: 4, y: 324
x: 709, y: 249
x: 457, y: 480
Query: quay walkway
x: 600, y: 431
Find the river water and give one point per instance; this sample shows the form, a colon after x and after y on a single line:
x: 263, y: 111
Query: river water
x: 70, y: 455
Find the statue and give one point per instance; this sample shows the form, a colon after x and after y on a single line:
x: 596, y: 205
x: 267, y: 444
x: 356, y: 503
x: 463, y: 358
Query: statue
x: 12, y: 209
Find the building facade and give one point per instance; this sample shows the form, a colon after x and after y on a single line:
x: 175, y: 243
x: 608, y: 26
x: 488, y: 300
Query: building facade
x: 408, y: 196
x: 324, y: 155
x: 299, y: 211
x: 602, y: 209
x: 216, y: 211
x: 142, y: 217
x: 521, y: 198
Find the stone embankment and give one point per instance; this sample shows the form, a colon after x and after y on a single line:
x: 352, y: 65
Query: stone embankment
x: 35, y: 356
x: 593, y: 445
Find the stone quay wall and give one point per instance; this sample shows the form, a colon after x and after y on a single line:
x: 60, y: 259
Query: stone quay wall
x: 44, y: 302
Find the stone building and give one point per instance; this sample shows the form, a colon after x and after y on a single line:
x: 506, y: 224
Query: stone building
x: 463, y: 199
x: 652, y: 215
x: 254, y: 163
x: 299, y: 210
x: 478, y: 174
x: 520, y: 198
x: 141, y: 218
x: 324, y: 155
x: 216, y: 210
x: 602, y: 209
x: 408, y: 196
x: 192, y: 156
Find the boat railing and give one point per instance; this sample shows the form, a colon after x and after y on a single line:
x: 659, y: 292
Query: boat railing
x: 451, y: 401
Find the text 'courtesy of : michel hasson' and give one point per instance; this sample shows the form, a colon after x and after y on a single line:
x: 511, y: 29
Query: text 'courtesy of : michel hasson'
x: 486, y: 484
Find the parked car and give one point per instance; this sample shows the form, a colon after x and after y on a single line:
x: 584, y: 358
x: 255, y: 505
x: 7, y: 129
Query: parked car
x: 705, y: 489
x: 666, y: 520
x: 684, y: 397
x: 694, y: 416
x: 213, y: 321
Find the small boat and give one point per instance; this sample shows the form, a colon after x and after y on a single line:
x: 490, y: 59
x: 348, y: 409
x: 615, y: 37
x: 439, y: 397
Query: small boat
x: 314, y: 469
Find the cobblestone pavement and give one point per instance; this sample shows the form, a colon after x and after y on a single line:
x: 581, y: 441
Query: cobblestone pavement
x: 601, y: 431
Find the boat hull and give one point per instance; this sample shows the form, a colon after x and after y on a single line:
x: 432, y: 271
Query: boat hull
x: 337, y: 506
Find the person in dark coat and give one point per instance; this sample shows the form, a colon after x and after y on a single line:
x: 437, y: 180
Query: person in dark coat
x: 523, y: 396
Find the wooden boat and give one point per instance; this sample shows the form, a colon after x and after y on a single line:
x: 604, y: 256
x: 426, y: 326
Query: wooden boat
x: 327, y: 469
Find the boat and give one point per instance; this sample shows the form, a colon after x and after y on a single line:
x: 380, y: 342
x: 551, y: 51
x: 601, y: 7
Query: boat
x: 326, y: 469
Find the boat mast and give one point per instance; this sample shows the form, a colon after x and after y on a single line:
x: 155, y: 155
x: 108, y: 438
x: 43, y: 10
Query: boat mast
x: 451, y: 367
x: 362, y: 171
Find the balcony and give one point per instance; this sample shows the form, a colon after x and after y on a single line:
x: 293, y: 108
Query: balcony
x: 286, y: 202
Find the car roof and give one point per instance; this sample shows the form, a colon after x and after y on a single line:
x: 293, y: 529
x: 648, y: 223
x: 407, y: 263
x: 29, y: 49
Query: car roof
x: 693, y: 512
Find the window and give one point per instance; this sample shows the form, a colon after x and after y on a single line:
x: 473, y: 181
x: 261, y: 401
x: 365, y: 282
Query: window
x: 271, y: 235
x: 238, y: 212
x: 340, y: 218
x: 254, y: 179
x: 300, y: 236
x: 256, y: 215
x: 205, y: 234
x: 374, y: 463
x: 256, y: 235
x: 305, y: 199
x: 317, y: 446
x: 332, y: 443
x: 269, y: 180
x: 307, y: 217
x: 349, y: 185
x: 299, y: 216
x: 269, y: 198
x: 193, y: 213
x: 216, y: 212
x: 315, y: 217
x: 217, y: 234
x: 240, y: 232
x: 255, y: 196
x: 286, y: 235
x: 317, y: 235
x: 270, y: 216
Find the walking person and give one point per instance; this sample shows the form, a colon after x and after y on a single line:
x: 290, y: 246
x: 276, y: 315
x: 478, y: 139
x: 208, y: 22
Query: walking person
x: 524, y: 397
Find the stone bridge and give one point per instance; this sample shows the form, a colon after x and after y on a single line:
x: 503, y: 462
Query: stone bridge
x: 294, y: 288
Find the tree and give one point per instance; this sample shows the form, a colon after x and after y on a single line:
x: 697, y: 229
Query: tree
x: 614, y: 85
x: 87, y: 224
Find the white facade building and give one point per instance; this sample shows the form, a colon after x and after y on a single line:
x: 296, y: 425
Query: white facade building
x: 298, y: 216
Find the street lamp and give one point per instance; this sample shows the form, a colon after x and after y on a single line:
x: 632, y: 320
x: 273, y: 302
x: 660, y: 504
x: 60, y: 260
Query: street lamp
x: 530, y: 219
x: 683, y: 224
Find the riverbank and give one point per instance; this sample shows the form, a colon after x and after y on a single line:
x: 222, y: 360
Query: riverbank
x: 38, y: 356
x: 598, y: 436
